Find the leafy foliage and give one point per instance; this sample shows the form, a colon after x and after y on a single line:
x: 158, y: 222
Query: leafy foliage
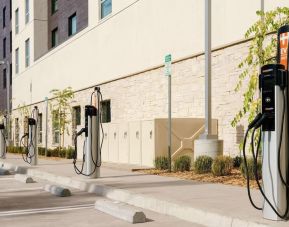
x: 162, y: 163
x: 203, y: 164
x: 61, y: 110
x: 262, y: 50
x: 183, y: 163
x: 237, y: 161
x: 222, y: 166
x: 251, y: 169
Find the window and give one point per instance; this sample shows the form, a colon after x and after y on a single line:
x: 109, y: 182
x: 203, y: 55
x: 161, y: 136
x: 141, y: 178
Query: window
x: 17, y: 60
x: 4, y: 17
x: 54, y: 37
x: 27, y: 52
x: 105, y: 111
x: 17, y: 21
x: 55, y: 127
x: 10, y: 37
x: 17, y: 131
x: 40, y: 128
x: 54, y: 6
x: 4, y: 48
x: 10, y: 7
x: 27, y: 11
x: 77, y: 115
x: 10, y: 71
x: 4, y: 79
x: 72, y: 24
x: 106, y: 7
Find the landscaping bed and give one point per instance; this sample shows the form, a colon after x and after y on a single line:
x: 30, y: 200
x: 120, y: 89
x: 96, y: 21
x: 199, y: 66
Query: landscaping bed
x: 221, y: 169
x: 235, y: 178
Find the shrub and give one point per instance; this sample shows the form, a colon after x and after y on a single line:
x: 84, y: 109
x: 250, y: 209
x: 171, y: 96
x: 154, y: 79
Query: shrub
x: 14, y: 150
x: 69, y: 153
x: 161, y: 163
x: 222, y: 166
x: 41, y: 151
x: 182, y: 163
x: 203, y: 164
x: 237, y: 161
x: 250, y: 163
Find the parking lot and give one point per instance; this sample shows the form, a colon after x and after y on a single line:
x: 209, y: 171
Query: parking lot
x: 29, y: 205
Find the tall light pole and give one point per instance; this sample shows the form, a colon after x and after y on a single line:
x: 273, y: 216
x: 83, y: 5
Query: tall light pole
x: 208, y: 143
x: 8, y: 96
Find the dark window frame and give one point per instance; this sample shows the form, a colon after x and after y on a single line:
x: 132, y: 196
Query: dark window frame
x: 70, y: 24
x: 54, y: 39
x: 105, y: 106
x: 54, y: 6
x: 4, y: 17
x: 4, y: 78
x: 77, y: 115
x: 102, y: 13
x: 4, y: 47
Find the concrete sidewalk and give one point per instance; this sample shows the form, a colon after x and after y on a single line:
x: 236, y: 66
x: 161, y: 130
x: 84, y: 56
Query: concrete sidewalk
x: 202, y: 203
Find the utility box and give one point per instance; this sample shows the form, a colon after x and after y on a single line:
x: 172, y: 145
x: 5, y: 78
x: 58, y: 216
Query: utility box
x: 140, y: 142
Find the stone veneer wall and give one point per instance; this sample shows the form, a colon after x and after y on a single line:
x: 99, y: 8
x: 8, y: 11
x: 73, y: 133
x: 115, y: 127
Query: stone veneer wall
x: 144, y: 96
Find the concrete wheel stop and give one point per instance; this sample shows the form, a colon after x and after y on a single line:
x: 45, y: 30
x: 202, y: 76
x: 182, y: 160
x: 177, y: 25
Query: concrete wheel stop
x: 57, y: 190
x: 24, y: 178
x: 121, y: 210
x: 4, y: 172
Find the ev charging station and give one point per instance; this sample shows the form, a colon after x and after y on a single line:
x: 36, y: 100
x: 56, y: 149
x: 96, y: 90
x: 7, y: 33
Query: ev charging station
x: 2, y: 141
x: 91, y: 159
x: 273, y: 136
x: 31, y: 150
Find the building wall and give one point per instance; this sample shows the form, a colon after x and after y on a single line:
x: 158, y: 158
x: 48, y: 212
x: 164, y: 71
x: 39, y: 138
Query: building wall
x: 132, y: 40
x: 4, y: 33
x: 124, y: 54
x: 60, y: 18
x: 144, y: 96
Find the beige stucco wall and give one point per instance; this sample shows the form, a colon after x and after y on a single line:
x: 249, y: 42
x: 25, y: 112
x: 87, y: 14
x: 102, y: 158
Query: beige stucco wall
x: 129, y: 41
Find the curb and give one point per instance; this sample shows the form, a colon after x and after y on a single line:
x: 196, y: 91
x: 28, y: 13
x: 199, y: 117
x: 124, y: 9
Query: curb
x: 178, y: 210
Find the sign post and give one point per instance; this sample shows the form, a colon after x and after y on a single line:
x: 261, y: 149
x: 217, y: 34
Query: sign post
x: 46, y: 125
x: 168, y: 73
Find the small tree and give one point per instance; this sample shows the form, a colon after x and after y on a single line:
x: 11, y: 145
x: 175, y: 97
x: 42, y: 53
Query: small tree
x: 61, y: 111
x: 262, y: 50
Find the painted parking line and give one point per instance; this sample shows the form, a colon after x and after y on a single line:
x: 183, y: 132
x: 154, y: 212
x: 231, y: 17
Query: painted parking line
x: 6, y: 178
x: 45, y: 210
x: 20, y: 189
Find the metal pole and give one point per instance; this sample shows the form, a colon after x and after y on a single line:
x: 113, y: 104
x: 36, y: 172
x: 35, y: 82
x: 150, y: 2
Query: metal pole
x: 170, y: 120
x: 46, y: 125
x: 208, y: 70
x: 8, y: 100
x: 262, y: 6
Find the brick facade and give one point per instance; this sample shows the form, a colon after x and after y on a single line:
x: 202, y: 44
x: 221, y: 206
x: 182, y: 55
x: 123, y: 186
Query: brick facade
x: 59, y: 19
x: 5, y: 32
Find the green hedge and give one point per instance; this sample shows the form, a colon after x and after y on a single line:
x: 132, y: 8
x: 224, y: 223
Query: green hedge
x: 182, y: 164
x: 162, y: 163
x: 250, y: 163
x: 222, y: 166
x: 203, y: 164
x: 63, y: 153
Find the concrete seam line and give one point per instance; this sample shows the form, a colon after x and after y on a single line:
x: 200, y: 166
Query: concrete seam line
x: 187, y: 213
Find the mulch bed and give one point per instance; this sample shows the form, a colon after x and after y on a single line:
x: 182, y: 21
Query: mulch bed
x: 235, y: 178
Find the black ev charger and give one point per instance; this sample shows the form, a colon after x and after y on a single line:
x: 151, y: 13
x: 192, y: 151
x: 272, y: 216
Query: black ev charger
x: 27, y: 155
x: 272, y: 75
x: 283, y: 58
x: 2, y: 135
x: 94, y: 114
